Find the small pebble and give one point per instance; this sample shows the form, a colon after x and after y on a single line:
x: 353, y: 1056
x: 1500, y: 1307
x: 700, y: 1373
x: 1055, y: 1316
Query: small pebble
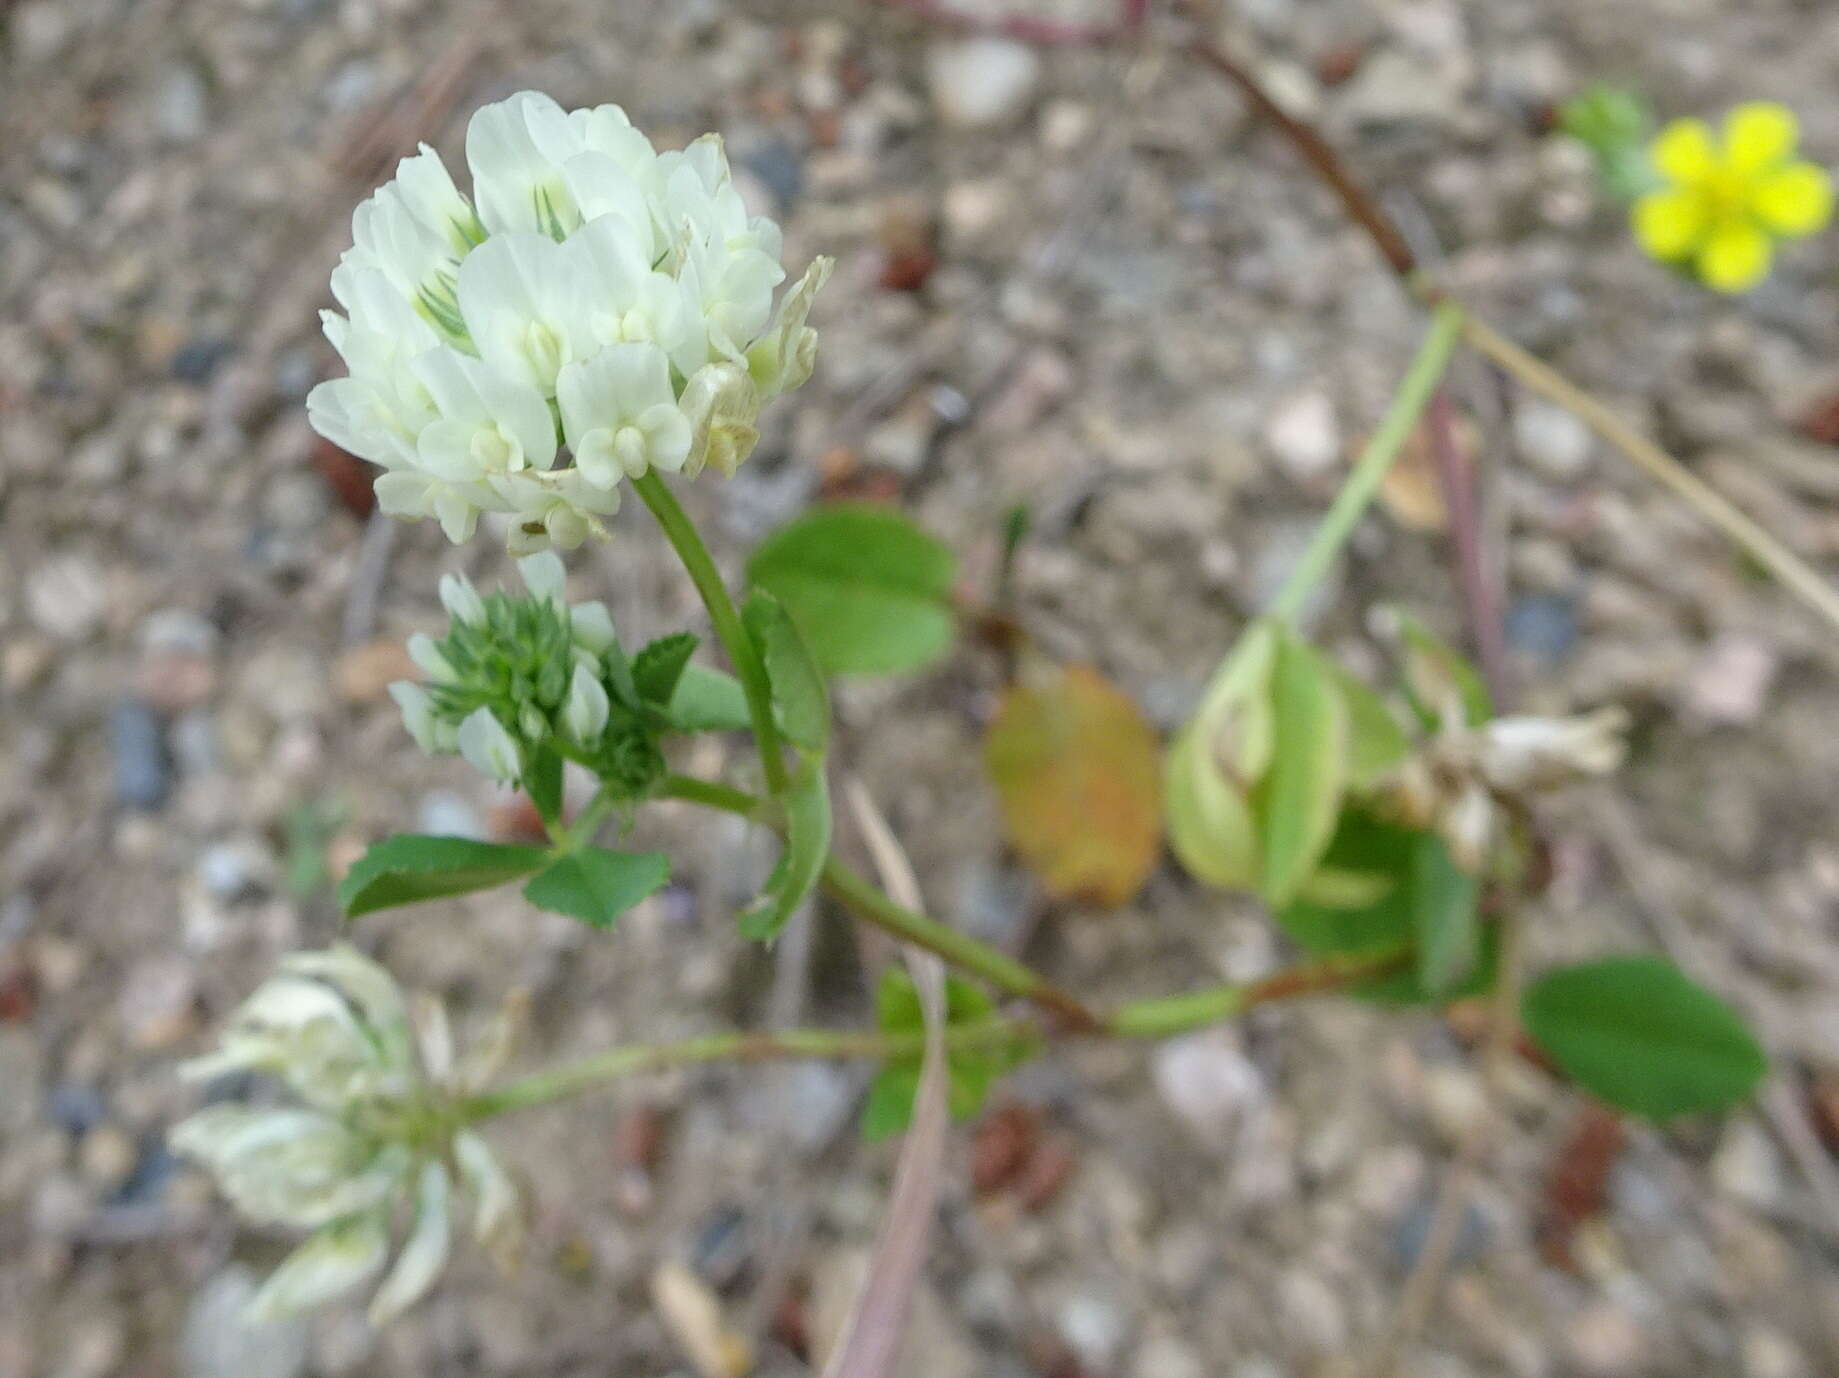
x: 1165, y: 1356
x: 1093, y: 1325
x: 1304, y: 437
x: 1207, y: 1082
x: 1748, y: 1166
x: 1413, y: 1229
x: 981, y: 82
x: 1605, y: 1341
x: 1551, y: 440
x: 1543, y: 625
x: 107, y: 1157
x: 143, y: 775
x: 76, y: 1109
x: 180, y: 104
x: 66, y: 597
x: 1731, y: 682
x: 220, y: 1342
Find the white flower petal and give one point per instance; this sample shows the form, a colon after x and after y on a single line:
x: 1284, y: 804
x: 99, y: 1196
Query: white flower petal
x: 427, y: 656
x: 593, y: 626
x: 585, y: 713
x: 338, y: 1258
x: 425, y: 1254
x: 417, y: 714
x: 461, y: 599
x: 488, y: 748
x: 485, y: 1180
x: 545, y: 576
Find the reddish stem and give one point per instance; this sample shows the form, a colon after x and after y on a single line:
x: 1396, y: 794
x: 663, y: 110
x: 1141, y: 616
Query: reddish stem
x: 1476, y: 579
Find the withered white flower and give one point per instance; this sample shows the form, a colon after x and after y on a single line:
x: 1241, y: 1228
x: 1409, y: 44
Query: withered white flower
x: 594, y: 294
x: 1456, y: 783
x: 377, y: 1136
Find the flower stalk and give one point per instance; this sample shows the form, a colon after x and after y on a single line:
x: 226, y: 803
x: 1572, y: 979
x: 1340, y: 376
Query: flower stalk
x: 1369, y: 471
x: 1162, y: 1017
x: 748, y: 666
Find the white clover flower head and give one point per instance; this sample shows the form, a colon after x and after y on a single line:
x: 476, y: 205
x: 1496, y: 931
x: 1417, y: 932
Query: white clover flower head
x: 596, y: 310
x: 377, y: 1133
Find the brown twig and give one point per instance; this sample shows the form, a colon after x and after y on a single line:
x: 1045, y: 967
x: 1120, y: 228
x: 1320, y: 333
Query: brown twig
x: 1482, y: 600
x: 1794, y: 573
x: 1320, y: 156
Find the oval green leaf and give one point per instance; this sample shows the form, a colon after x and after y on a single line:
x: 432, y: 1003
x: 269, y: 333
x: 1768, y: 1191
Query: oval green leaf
x: 597, y: 885
x: 410, y: 868
x: 870, y: 591
x: 799, y: 695
x: 1635, y: 1032
x: 708, y: 700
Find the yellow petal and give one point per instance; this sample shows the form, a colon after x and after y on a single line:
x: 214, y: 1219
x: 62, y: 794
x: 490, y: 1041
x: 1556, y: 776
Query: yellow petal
x: 1684, y: 152
x: 1795, y: 200
x: 1759, y: 135
x: 1735, y: 257
x: 1669, y: 224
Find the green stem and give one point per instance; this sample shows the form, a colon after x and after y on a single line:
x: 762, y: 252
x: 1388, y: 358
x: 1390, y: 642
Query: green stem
x: 960, y: 949
x: 1160, y: 1018
x: 573, y: 1078
x: 688, y: 543
x: 580, y: 830
x: 710, y: 794
x: 1369, y: 470
x: 1173, y: 1014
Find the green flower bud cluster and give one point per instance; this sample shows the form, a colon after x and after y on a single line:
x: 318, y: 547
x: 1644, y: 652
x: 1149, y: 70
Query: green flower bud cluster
x: 517, y: 677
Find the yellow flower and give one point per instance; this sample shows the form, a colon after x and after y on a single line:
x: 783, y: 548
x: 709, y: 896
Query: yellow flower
x: 1725, y: 201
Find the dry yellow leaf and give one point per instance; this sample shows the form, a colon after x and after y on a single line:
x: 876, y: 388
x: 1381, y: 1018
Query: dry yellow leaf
x: 1077, y: 774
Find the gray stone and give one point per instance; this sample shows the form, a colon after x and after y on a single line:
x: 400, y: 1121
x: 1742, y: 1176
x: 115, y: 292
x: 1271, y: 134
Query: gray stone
x: 1606, y: 1340
x: 981, y: 82
x: 142, y: 774
x: 1543, y: 625
x: 66, y: 597
x: 1093, y: 1325
x: 1748, y: 1166
x: 1394, y: 88
x: 1413, y: 1228
x: 178, y: 631
x: 1165, y: 1356
x: 180, y: 104
x: 1551, y: 439
x: 1304, y: 437
x: 1730, y: 683
x: 236, y: 869
x: 1311, y: 1311
x: 218, y: 1342
x: 1208, y: 1082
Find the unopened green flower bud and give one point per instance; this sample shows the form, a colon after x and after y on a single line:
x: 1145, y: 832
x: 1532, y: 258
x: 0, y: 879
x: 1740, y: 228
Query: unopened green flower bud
x: 1218, y: 761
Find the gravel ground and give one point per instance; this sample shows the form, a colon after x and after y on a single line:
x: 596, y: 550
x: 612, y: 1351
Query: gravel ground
x: 1167, y: 343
